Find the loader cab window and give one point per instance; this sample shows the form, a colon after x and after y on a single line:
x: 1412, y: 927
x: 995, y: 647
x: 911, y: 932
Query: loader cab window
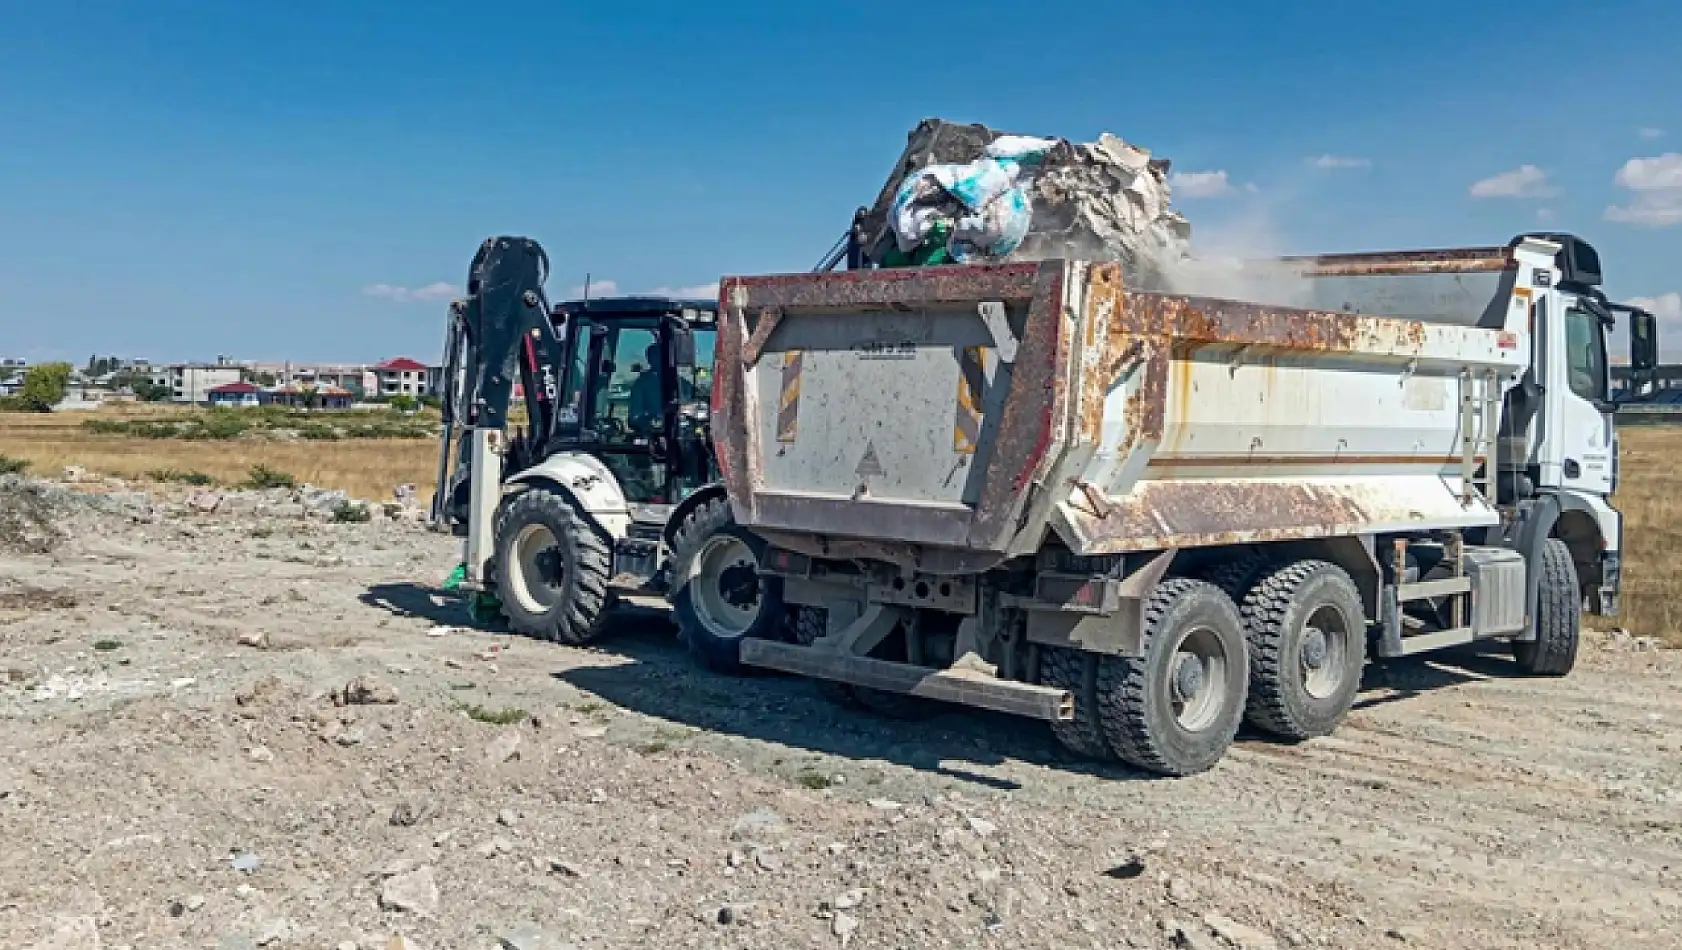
x: 626, y: 386
x: 1585, y: 354
x: 697, y: 382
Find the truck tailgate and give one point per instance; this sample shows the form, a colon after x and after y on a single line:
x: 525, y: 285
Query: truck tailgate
x: 911, y: 405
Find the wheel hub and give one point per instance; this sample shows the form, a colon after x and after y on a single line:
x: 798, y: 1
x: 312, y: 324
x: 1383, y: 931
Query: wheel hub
x: 1313, y: 648
x: 739, y: 585
x: 1188, y: 679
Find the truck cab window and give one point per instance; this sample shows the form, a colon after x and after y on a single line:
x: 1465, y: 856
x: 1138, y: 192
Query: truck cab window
x: 1585, y: 354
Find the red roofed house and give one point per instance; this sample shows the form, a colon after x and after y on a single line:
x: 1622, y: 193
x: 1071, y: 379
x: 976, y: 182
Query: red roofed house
x: 401, y: 377
x: 233, y: 394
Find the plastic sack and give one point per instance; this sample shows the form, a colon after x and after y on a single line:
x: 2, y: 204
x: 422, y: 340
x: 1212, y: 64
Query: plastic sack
x: 984, y: 202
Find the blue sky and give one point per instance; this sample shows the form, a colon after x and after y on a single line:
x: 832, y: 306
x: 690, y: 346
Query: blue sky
x: 305, y: 180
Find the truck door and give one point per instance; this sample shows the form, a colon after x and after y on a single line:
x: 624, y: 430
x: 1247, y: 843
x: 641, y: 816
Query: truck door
x: 1577, y: 436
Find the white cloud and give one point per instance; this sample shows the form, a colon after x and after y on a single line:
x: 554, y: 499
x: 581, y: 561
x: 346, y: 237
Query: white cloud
x: 1330, y: 162
x: 1200, y: 184
x: 1656, y: 187
x: 1649, y: 133
x: 1545, y: 214
x: 1525, y: 181
x: 1664, y: 306
x: 437, y: 290
x: 698, y: 291
x: 597, y: 288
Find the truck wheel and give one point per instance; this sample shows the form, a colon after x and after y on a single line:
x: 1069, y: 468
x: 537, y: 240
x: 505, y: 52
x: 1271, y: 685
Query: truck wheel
x: 723, y: 599
x: 1237, y: 574
x: 1308, y: 640
x: 1175, y: 709
x: 552, y: 568
x: 1558, y: 613
x: 1077, y: 672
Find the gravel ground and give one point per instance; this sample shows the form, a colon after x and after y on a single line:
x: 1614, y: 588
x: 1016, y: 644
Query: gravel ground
x: 236, y: 725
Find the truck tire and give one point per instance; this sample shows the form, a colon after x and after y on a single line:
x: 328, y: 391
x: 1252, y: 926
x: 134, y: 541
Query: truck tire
x: 723, y: 599
x: 1237, y: 574
x: 1077, y: 672
x: 1558, y: 616
x: 552, y: 568
x: 1308, y: 642
x: 1175, y: 710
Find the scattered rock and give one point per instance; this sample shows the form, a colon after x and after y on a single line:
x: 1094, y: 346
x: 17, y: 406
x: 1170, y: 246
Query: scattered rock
x: 204, y: 501
x: 256, y: 639
x: 505, y: 747
x: 506, y: 818
x: 415, y: 892
x: 245, y: 862
x: 260, y: 754
x: 759, y: 822
x: 366, y: 691
x: 349, y: 737
x: 399, y: 942
x: 767, y: 859
x: 847, y: 900
x: 273, y: 932
x: 494, y: 847
x: 844, y: 926
x: 1128, y: 869
x: 1243, y: 936
x: 981, y: 826
x: 1180, y: 891
x: 72, y: 933
x: 565, y: 868
x: 885, y: 804
x: 531, y: 937
x: 739, y: 914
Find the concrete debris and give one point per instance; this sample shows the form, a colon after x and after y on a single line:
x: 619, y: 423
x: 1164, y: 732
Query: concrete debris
x: 531, y: 937
x: 415, y: 892
x: 504, y: 748
x: 256, y: 639
x: 757, y: 823
x: 1242, y: 936
x: 1105, y: 200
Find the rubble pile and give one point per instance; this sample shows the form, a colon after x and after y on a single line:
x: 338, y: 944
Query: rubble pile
x: 1106, y: 200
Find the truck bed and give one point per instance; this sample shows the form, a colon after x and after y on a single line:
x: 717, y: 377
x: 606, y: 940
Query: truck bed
x: 952, y: 417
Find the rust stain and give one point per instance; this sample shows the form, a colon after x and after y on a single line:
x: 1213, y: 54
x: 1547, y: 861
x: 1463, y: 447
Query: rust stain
x: 1216, y: 461
x: 1442, y: 261
x: 1195, y: 514
x: 1103, y: 302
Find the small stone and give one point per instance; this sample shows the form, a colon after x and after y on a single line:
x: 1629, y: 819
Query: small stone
x: 348, y: 945
x: 273, y: 932
x: 885, y: 804
x: 256, y: 639
x: 1127, y: 870
x: 246, y: 892
x: 494, y: 847
x: 246, y: 862
x: 72, y: 933
x: 194, y: 903
x: 400, y: 942
x: 1180, y: 891
x: 848, y: 900
x: 767, y: 859
x: 409, y: 814
x: 589, y: 732
x: 415, y: 892
x: 505, y: 747
x: 738, y: 914
x: 1243, y: 936
x: 981, y: 826
x: 349, y: 737
x: 531, y: 937
x: 366, y: 691
x: 506, y: 818
x: 760, y: 821
x: 1295, y: 939
x: 844, y: 926
x: 565, y: 869
x: 260, y: 754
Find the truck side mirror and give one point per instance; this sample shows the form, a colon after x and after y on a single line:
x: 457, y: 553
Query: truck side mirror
x: 1643, y: 341
x: 683, y: 347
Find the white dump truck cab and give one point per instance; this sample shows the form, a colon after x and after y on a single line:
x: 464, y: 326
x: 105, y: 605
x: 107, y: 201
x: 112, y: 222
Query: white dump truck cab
x: 1146, y: 514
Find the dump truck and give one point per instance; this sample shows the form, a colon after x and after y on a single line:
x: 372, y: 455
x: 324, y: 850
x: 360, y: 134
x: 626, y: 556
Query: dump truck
x: 1144, y: 516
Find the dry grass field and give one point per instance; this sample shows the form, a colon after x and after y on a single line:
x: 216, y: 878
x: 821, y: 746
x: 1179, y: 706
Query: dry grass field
x: 366, y: 468
x: 1650, y: 496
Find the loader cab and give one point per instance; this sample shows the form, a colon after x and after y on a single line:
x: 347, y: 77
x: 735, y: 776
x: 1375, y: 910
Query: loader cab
x: 635, y: 390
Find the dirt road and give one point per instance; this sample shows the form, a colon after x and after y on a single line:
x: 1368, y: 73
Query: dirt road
x: 165, y: 784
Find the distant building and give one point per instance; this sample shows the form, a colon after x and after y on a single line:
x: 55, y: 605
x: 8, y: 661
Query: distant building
x: 236, y: 394
x: 191, y: 383
x: 300, y: 396
x: 402, y: 376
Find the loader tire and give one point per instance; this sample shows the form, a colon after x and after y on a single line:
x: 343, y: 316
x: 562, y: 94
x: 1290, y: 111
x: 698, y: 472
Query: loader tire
x: 1175, y: 710
x: 1308, y: 640
x: 1558, y: 616
x: 720, y: 598
x: 1077, y: 672
x: 552, y: 568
